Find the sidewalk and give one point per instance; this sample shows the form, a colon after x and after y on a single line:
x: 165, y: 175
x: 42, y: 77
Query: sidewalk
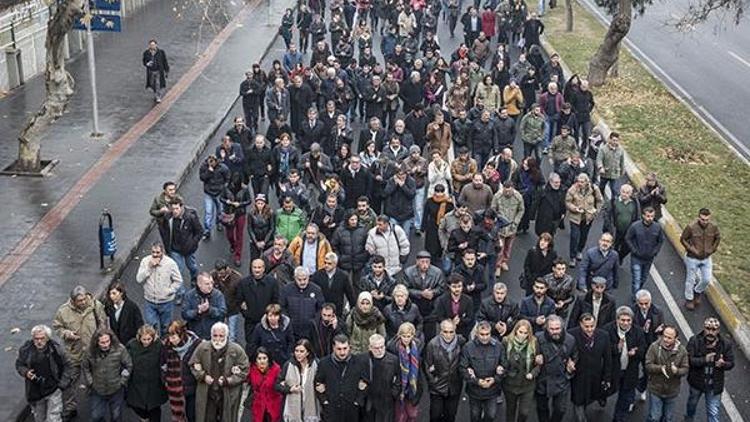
x: 163, y: 150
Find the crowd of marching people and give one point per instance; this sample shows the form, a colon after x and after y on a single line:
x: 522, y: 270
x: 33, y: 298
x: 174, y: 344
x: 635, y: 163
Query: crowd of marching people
x: 331, y: 321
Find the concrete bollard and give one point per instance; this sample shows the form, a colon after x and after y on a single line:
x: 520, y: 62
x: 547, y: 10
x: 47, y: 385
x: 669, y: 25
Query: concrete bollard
x: 15, y: 67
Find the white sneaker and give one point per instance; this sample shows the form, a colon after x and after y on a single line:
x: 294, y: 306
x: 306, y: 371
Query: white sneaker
x: 642, y: 396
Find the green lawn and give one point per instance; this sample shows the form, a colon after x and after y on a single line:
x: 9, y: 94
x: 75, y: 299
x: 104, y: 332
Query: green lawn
x: 661, y: 134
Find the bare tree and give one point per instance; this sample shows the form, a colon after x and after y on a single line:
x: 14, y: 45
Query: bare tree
x: 59, y: 85
x: 622, y: 12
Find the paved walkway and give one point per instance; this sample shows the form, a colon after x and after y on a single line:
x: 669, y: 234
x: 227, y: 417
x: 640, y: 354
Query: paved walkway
x: 49, y: 225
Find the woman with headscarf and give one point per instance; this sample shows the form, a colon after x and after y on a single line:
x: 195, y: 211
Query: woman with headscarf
x: 521, y: 369
x: 263, y: 401
x: 296, y: 383
x: 437, y: 206
x: 408, y: 349
x: 179, y: 347
x: 362, y: 322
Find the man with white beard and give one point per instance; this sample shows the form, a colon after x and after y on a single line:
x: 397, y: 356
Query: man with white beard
x: 220, y: 367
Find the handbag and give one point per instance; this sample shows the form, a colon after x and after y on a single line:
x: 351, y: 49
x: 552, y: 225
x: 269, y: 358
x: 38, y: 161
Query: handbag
x: 226, y: 218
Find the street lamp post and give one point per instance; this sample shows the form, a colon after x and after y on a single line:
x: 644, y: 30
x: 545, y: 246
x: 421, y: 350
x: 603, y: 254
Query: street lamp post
x: 92, y: 66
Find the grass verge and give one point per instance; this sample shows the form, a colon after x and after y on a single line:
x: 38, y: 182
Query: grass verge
x: 661, y: 134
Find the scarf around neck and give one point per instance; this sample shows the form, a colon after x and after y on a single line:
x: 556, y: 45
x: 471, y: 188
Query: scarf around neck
x: 443, y: 200
x: 408, y: 359
x: 368, y: 320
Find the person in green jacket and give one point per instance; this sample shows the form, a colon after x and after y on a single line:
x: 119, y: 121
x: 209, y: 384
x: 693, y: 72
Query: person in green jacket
x: 532, y: 131
x: 522, y: 366
x: 290, y: 220
x: 666, y: 363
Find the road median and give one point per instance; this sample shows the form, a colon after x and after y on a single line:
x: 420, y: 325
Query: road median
x: 661, y: 134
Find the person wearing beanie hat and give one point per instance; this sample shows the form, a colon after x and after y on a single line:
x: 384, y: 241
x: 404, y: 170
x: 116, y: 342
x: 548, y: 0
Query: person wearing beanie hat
x: 595, y: 302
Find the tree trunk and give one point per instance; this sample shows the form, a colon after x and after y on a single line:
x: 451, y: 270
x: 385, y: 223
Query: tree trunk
x: 59, y: 86
x: 569, y: 15
x: 609, y: 49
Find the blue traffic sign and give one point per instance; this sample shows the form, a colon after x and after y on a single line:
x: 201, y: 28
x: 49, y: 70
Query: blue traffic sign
x: 101, y: 23
x: 112, y: 5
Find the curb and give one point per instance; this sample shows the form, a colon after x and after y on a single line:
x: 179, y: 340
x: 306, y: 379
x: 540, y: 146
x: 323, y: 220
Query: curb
x: 204, y: 137
x: 728, y: 312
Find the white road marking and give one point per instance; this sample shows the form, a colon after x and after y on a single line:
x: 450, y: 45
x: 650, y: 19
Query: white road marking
x: 737, y: 56
x: 740, y: 149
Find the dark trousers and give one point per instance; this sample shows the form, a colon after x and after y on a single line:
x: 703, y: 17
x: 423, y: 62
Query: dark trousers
x: 625, y: 397
x: 518, y: 404
x: 107, y: 407
x: 578, y: 235
x: 153, y: 415
x: 482, y: 410
x: 559, y: 407
x: 529, y: 149
x: 443, y: 408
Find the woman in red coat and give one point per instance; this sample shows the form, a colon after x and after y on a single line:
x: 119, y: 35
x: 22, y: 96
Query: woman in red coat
x: 488, y: 22
x: 265, y: 401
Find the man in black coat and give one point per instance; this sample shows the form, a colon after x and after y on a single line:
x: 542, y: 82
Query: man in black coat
x: 254, y: 293
x: 157, y: 69
x: 585, y: 304
x: 334, y: 283
x: 499, y: 310
x: 592, y: 371
x: 399, y: 195
x: 253, y: 91
x: 46, y: 369
x: 259, y: 165
x: 323, y: 329
x: 301, y: 98
x: 505, y: 131
x: 628, y: 346
x: 441, y: 359
x: 312, y: 131
x: 559, y: 354
x: 374, y: 132
x: 385, y: 382
x: 181, y: 235
x: 341, y: 383
x: 374, y: 98
x: 356, y: 182
x: 444, y: 306
x: 412, y: 92
x: 650, y: 319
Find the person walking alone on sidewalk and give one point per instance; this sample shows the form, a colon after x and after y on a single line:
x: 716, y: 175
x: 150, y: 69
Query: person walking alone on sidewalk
x: 700, y: 239
x: 157, y: 69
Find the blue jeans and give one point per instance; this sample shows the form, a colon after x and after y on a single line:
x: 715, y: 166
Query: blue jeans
x: 158, y: 315
x: 111, y: 405
x: 639, y: 269
x: 418, y: 208
x: 713, y: 405
x: 212, y: 210
x: 447, y: 264
x: 550, y: 123
x: 692, y: 267
x: 233, y: 321
x: 578, y: 235
x: 185, y: 262
x: 660, y: 408
x: 406, y: 224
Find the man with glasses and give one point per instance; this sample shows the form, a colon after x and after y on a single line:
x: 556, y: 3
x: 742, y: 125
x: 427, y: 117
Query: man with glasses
x: 710, y: 355
x: 161, y: 280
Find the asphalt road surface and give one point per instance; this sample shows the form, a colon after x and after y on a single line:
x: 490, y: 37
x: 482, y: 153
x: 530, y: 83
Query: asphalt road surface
x: 665, y: 283
x: 707, y: 66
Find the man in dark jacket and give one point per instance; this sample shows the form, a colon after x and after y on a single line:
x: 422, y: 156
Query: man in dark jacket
x: 45, y: 367
x: 385, y: 382
x: 622, y: 211
x: 559, y: 355
x: 334, y: 283
x: 181, y: 234
x: 426, y: 283
x: 628, y: 346
x: 595, y: 302
x: 481, y: 366
x: 551, y: 208
x: 710, y: 355
x: 505, y: 131
x: 373, y: 132
x: 254, y: 293
x: 157, y: 69
x: 475, y: 279
x: 328, y: 216
x: 356, y: 182
x: 499, y: 310
x: 341, y: 383
x: 259, y: 165
x: 650, y: 319
x: 599, y: 261
x: 399, y: 193
x: 203, y: 307
x: 377, y: 282
x: 252, y: 91
x: 592, y: 371
x: 349, y: 242
x: 441, y: 359
x: 412, y: 92
x: 215, y: 176
x: 455, y: 305
x: 311, y: 131
x: 482, y: 138
x: 644, y: 239
x: 301, y: 301
x: 324, y: 328
x: 537, y: 306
